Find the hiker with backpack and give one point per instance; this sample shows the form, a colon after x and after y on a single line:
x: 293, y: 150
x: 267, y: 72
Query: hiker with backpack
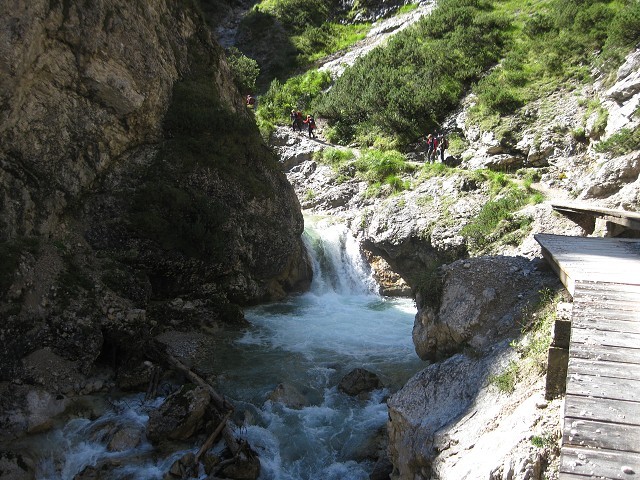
x: 299, y: 120
x: 429, y: 147
x: 293, y: 117
x: 434, y: 151
x: 311, y: 123
x: 444, y: 144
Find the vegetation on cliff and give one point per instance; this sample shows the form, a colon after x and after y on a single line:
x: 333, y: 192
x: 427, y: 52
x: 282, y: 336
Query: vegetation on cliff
x: 506, y: 52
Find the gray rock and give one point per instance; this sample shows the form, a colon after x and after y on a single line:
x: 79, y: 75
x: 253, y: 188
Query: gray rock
x: 359, y: 381
x: 430, y: 400
x: 16, y: 466
x: 473, y: 312
x: 611, y: 177
x: 180, y: 416
x: 125, y: 438
x: 288, y: 395
x: 628, y: 79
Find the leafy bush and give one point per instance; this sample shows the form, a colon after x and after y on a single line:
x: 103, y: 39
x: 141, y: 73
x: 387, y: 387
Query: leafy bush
x: 495, y: 219
x: 315, y: 43
x: 297, y: 33
x: 336, y: 157
x: 409, y: 85
x: 297, y: 93
x: 245, y: 70
x: 621, y: 143
x: 506, y: 381
x: 378, y: 166
x: 561, y: 41
x: 623, y: 31
x: 296, y: 14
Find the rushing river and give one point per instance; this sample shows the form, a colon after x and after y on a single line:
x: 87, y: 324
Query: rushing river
x: 310, y: 342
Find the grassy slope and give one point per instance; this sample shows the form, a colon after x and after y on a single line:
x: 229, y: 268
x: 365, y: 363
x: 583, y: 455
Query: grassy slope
x: 508, y: 52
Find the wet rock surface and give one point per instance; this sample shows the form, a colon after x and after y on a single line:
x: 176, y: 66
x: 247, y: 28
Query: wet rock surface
x: 359, y: 381
x: 482, y: 303
x: 182, y: 414
x: 289, y: 396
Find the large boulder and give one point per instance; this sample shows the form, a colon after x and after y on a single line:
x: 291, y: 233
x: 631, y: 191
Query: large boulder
x: 289, y: 396
x: 611, y: 177
x: 449, y: 422
x: 430, y: 400
x: 359, y: 381
x: 130, y: 170
x: 180, y: 416
x: 482, y: 302
x: 623, y: 97
x: 26, y: 409
x: 16, y: 466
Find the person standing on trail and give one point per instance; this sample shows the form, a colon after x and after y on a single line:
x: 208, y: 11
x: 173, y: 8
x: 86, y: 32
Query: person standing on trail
x: 444, y: 144
x: 429, y: 147
x: 299, y: 120
x: 311, y: 123
x: 434, y: 151
x: 293, y: 116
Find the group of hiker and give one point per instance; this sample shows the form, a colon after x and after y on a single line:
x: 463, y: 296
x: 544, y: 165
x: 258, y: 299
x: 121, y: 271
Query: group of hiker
x: 437, y: 143
x: 297, y: 122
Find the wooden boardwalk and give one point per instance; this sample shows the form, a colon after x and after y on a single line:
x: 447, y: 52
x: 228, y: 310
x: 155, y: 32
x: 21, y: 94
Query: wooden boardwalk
x: 601, y: 437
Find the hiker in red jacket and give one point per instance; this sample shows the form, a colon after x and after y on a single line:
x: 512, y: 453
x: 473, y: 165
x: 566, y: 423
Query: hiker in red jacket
x: 429, y: 147
x: 434, y: 151
x: 311, y: 123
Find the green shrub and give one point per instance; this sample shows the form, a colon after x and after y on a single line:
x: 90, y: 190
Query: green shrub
x: 579, y: 135
x: 397, y: 184
x: 318, y: 42
x: 620, y: 143
x: 377, y: 166
x: 296, y: 14
x: 245, y: 70
x: 562, y: 41
x: 495, y: 219
x: 430, y: 170
x: 623, y: 31
x: 297, y: 93
x: 406, y: 8
x: 507, y: 379
x: 336, y: 157
x: 457, y: 144
x: 409, y: 85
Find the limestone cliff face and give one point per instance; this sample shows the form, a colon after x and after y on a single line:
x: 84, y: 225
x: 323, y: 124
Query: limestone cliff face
x: 78, y: 88
x: 130, y: 172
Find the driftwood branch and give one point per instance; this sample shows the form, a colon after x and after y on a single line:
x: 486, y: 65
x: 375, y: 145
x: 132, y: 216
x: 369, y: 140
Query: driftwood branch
x: 212, y: 438
x: 219, y: 402
x: 226, y: 462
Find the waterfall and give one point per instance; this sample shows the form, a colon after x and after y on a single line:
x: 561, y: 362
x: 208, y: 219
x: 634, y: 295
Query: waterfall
x: 338, y: 264
x: 309, y: 341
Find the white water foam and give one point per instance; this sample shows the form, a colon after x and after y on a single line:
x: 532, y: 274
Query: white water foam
x: 310, y: 342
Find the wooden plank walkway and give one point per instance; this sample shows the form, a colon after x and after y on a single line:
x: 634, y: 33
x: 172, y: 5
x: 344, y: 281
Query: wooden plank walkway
x: 620, y: 217
x: 601, y: 436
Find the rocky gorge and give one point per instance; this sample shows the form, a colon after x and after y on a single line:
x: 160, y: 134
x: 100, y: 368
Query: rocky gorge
x: 125, y: 221
x: 123, y: 214
x: 450, y: 420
